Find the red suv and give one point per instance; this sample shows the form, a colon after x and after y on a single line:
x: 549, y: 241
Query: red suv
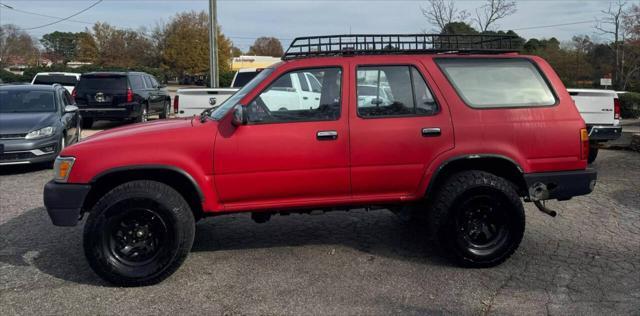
x: 457, y: 130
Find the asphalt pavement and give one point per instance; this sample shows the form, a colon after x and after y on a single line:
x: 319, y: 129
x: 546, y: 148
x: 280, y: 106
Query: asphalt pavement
x: 586, y: 261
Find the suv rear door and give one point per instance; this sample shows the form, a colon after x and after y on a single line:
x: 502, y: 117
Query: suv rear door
x: 102, y: 90
x: 396, y: 134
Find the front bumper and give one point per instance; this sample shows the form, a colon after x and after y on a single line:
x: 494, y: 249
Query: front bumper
x: 560, y: 185
x: 25, y: 151
x: 604, y: 132
x: 64, y: 202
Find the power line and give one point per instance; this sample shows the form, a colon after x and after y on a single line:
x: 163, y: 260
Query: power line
x: 63, y: 19
x: 40, y: 14
x: 553, y: 25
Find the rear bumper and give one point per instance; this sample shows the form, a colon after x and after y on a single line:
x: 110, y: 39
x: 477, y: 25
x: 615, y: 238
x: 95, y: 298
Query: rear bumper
x: 64, y: 202
x: 560, y: 185
x: 120, y: 112
x: 604, y: 132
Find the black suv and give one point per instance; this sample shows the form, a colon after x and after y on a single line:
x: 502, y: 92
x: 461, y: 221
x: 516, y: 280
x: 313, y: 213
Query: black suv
x: 120, y: 96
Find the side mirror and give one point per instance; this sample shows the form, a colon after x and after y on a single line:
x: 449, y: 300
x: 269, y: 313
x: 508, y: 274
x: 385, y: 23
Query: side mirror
x: 239, y: 116
x: 70, y: 109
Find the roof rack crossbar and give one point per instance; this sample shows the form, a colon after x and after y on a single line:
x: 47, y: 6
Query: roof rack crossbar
x: 369, y: 44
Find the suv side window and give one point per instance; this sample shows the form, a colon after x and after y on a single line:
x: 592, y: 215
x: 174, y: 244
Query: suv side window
x: 137, y: 83
x: 147, y: 82
x: 154, y: 82
x: 280, y: 102
x: 389, y: 91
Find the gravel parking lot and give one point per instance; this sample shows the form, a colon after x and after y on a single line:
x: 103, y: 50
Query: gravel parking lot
x: 585, y: 261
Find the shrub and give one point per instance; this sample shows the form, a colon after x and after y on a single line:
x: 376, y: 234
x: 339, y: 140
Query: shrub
x: 629, y: 105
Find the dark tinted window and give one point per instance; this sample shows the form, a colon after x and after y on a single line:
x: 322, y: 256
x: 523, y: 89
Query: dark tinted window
x: 51, y: 79
x: 147, y: 81
x: 103, y: 83
x: 154, y: 82
x: 303, y: 82
x: 137, y: 83
x: 281, y: 103
x: 242, y: 78
x: 393, y: 91
x: 21, y: 101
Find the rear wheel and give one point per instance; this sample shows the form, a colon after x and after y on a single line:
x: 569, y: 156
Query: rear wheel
x: 478, y: 219
x: 593, y: 152
x: 144, y: 115
x: 166, y: 110
x: 87, y: 123
x: 138, y: 234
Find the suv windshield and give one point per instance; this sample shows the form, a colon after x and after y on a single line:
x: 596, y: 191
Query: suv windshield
x: 103, y: 83
x: 26, y: 101
x: 236, y: 97
x: 51, y: 79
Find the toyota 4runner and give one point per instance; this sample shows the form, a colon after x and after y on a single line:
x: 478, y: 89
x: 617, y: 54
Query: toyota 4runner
x: 459, y: 131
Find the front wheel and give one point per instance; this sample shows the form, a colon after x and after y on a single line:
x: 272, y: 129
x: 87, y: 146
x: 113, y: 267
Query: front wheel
x: 138, y: 234
x: 478, y: 219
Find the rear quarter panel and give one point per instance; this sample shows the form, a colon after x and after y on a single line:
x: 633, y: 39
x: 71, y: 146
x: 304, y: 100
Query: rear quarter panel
x: 538, y: 139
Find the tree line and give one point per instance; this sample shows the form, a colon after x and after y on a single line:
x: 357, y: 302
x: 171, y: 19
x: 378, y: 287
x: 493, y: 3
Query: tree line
x: 177, y: 48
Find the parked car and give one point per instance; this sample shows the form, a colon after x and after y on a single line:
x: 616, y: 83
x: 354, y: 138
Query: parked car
x: 117, y: 96
x: 192, y: 101
x: 68, y: 80
x: 600, y: 110
x: 467, y: 137
x: 36, y: 123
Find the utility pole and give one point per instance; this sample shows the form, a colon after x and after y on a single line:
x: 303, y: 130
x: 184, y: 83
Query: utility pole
x: 213, y: 44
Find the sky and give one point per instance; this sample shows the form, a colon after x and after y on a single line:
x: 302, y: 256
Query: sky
x: 245, y: 20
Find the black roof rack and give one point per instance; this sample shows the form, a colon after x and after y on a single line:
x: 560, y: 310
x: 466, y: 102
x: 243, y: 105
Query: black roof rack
x: 369, y: 44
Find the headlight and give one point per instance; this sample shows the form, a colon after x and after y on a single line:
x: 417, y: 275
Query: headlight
x: 41, y: 133
x: 62, y: 168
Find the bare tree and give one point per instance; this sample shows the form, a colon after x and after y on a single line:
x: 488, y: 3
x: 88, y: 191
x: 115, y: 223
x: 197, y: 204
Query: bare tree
x: 439, y: 13
x: 492, y: 11
x: 611, y: 25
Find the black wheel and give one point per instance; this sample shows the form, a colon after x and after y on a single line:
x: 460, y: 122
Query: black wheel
x: 138, y: 234
x: 144, y: 115
x: 593, y: 152
x: 478, y: 219
x: 87, y: 123
x: 166, y: 109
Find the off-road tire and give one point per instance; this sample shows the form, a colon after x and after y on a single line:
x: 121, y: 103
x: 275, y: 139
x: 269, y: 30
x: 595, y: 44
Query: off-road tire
x: 87, y: 123
x: 125, y: 201
x: 450, y: 203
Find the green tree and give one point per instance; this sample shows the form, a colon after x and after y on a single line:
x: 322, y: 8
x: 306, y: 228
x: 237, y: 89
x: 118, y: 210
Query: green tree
x: 266, y: 46
x: 62, y: 44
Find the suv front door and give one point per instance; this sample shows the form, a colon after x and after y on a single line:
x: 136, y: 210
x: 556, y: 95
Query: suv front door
x: 396, y: 133
x: 287, y: 155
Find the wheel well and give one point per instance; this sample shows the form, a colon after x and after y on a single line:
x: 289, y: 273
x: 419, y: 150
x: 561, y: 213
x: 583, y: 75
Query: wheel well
x: 498, y: 166
x: 178, y: 181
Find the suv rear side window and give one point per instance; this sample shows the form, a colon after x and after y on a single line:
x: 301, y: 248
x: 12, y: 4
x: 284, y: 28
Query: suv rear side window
x: 497, y: 83
x: 388, y: 91
x: 103, y: 83
x: 137, y: 83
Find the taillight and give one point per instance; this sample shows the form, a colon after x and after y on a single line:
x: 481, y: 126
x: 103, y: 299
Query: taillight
x: 616, y: 108
x: 584, y: 141
x: 74, y: 93
x: 176, y: 103
x: 129, y: 95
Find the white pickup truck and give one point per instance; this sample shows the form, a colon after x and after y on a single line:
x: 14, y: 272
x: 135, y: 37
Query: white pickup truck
x: 192, y: 101
x: 600, y: 110
x: 293, y: 92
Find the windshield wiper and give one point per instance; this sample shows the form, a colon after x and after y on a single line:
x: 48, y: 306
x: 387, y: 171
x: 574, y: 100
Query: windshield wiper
x: 205, y: 114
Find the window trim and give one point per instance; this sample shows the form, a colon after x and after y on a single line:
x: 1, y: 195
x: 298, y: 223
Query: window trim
x: 342, y: 76
x: 542, y: 74
x: 409, y: 65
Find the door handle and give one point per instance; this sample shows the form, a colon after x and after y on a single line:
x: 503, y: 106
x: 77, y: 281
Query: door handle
x: 305, y: 98
x: 327, y: 135
x: 431, y: 132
